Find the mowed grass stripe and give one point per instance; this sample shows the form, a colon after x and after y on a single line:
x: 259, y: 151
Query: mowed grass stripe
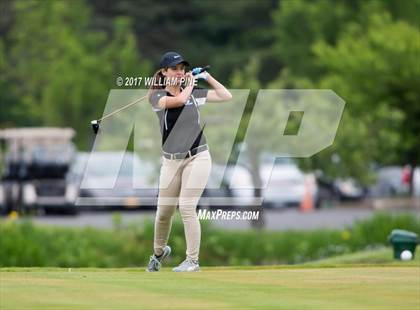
x: 309, y: 288
x: 87, y: 290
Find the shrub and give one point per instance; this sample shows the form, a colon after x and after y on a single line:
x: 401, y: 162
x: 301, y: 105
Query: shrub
x: 24, y: 244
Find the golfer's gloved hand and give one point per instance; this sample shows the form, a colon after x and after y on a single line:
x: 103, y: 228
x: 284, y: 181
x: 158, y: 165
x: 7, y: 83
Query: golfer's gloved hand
x: 200, y: 76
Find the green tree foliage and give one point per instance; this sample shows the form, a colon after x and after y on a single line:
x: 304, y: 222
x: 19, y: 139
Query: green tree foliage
x: 367, y: 52
x: 62, y: 68
x: 377, y: 71
x: 223, y: 34
x: 299, y: 24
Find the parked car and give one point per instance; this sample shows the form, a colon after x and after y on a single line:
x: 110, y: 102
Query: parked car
x: 283, y: 183
x: 389, y: 182
x: 217, y: 193
x: 394, y: 181
x: 135, y: 183
x: 332, y: 191
x: 349, y: 189
x: 228, y: 187
x: 241, y: 186
x: 220, y: 192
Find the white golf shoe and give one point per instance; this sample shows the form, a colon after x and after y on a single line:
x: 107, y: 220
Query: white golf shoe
x: 187, y: 265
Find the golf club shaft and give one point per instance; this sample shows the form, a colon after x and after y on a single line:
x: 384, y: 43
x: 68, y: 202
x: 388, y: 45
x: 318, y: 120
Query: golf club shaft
x: 120, y: 109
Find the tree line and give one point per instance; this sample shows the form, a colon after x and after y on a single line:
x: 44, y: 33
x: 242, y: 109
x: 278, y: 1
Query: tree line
x: 59, y: 58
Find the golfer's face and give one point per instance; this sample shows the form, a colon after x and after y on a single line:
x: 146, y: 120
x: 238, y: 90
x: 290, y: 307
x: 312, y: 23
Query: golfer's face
x: 177, y: 72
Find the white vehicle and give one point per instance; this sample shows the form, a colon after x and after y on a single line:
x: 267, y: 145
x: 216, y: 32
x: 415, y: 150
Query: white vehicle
x: 241, y: 186
x: 389, y: 182
x: 113, y: 180
x: 283, y: 183
x: 286, y: 185
x: 228, y: 187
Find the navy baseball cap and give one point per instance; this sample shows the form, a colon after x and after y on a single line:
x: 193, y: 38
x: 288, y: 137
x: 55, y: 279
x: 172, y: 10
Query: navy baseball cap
x: 171, y: 59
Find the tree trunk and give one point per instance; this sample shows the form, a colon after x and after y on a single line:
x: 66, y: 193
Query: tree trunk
x: 256, y: 180
x: 411, y: 184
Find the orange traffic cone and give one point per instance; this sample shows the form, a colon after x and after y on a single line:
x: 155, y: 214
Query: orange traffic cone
x: 307, y: 203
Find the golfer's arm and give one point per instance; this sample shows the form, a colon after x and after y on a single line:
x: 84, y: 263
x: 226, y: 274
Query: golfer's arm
x: 168, y: 102
x: 219, y: 92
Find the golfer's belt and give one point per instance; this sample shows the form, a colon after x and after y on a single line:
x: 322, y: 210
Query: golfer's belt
x: 183, y: 155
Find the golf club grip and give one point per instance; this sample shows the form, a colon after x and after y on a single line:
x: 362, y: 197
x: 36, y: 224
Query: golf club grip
x: 203, y: 69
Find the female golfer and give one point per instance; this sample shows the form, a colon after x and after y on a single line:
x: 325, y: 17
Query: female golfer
x: 186, y: 160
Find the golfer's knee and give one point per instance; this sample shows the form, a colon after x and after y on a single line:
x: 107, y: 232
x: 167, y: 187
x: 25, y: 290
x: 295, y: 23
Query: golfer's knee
x: 188, y: 211
x: 165, y: 214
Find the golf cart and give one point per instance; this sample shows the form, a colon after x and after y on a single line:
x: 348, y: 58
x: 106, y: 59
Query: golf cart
x: 35, y: 165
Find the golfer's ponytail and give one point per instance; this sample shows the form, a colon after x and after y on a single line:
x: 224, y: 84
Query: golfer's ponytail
x: 157, y: 82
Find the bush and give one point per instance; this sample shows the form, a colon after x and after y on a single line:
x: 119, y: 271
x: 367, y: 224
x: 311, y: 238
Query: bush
x: 25, y: 244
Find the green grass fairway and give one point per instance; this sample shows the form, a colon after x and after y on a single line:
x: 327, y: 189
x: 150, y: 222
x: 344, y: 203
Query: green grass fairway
x: 368, y: 287
x: 363, y: 280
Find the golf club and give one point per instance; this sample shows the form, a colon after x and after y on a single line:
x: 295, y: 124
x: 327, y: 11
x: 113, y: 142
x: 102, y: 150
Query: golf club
x: 96, y: 122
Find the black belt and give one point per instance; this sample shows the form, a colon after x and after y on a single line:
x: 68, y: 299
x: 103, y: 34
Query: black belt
x: 183, y: 155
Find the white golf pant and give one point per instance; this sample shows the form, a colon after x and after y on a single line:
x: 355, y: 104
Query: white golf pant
x: 182, y: 182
